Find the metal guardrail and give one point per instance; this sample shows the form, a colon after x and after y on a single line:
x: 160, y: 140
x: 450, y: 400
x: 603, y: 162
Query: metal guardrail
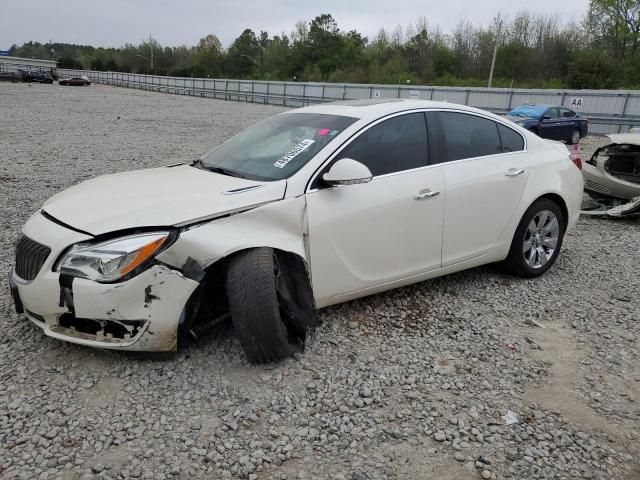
x: 609, y: 111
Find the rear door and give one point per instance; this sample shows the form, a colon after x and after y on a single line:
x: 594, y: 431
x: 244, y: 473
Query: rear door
x: 486, y: 168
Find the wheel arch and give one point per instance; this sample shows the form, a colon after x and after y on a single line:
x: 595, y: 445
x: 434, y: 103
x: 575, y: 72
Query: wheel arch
x: 211, y: 296
x: 558, y: 200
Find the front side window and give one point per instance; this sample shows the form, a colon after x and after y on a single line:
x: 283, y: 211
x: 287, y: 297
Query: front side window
x: 467, y: 136
x: 275, y: 148
x: 552, y: 113
x: 393, y: 145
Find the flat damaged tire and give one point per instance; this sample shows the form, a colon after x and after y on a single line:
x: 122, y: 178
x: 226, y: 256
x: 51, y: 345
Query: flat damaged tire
x: 537, y: 241
x: 263, y: 327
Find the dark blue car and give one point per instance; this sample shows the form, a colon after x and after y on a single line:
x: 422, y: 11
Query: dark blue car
x: 547, y: 121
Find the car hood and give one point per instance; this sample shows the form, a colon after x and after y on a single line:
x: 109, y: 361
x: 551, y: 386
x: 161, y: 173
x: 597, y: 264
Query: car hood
x: 157, y: 197
x: 626, y: 138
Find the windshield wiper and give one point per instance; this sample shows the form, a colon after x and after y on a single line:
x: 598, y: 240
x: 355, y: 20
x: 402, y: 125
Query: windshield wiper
x: 224, y: 171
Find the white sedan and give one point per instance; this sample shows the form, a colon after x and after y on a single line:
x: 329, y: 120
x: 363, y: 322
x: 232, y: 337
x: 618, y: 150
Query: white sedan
x: 306, y: 209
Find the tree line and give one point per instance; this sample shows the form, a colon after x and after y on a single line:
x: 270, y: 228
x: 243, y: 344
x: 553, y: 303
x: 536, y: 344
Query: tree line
x: 533, y: 50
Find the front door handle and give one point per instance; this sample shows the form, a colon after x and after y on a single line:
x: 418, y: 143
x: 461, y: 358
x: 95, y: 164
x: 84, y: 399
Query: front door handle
x: 425, y: 194
x: 514, y: 172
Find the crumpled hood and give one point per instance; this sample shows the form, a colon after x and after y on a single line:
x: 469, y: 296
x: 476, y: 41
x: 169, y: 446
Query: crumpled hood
x: 156, y: 197
x: 628, y: 138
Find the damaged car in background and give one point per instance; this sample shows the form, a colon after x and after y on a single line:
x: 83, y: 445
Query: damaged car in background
x: 305, y: 209
x: 612, y: 177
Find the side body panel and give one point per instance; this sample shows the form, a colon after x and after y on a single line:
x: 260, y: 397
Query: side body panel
x: 551, y: 172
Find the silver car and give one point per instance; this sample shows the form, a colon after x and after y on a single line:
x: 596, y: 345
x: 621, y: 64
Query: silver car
x: 614, y: 169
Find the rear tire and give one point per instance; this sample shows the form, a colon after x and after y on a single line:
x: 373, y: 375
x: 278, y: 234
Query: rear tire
x: 537, y: 241
x: 575, y: 137
x: 254, y: 307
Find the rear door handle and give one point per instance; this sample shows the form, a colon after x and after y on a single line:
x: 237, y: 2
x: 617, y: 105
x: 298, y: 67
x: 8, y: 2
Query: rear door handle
x: 514, y: 172
x: 425, y: 194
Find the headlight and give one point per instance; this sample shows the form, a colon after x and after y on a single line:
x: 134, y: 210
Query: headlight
x: 111, y: 260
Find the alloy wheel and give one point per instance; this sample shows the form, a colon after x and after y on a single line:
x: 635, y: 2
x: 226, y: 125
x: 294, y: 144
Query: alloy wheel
x: 575, y: 137
x: 541, y: 239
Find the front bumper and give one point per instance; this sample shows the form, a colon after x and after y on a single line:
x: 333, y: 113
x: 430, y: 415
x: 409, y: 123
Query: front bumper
x: 140, y: 314
x: 599, y: 182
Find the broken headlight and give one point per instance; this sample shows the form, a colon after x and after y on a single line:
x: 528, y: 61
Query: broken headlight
x: 113, y: 259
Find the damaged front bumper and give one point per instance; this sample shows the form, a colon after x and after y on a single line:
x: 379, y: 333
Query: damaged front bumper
x: 139, y: 314
x: 614, y: 209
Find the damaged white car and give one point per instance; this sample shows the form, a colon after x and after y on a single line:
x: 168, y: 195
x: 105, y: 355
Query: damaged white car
x: 306, y: 209
x: 612, y: 177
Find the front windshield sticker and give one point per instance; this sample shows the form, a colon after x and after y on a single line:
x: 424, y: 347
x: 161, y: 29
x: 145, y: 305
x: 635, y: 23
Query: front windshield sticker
x: 294, y: 152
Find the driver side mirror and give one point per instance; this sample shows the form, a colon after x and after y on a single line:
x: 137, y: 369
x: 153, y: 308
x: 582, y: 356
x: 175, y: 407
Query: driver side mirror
x: 546, y: 117
x: 347, y: 171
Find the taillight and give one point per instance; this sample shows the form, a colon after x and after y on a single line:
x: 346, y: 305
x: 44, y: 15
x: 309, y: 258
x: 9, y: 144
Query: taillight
x: 575, y: 156
x: 577, y: 161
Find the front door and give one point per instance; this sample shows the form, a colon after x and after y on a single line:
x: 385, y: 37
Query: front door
x: 367, y: 235
x: 550, y: 126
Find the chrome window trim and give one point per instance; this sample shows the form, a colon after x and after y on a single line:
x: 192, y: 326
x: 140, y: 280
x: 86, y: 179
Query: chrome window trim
x: 333, y: 156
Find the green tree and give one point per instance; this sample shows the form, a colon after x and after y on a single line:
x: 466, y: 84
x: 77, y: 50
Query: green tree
x: 207, y: 59
x: 244, y: 57
x: 615, y: 24
x: 590, y: 70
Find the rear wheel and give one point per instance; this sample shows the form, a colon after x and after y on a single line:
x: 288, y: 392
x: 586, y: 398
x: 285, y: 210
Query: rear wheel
x: 270, y: 304
x: 575, y: 137
x: 538, y: 239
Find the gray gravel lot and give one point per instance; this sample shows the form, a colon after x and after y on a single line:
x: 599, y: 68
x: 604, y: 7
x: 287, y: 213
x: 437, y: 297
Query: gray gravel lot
x: 410, y: 384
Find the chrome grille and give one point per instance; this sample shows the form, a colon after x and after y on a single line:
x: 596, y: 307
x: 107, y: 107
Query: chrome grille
x: 30, y: 256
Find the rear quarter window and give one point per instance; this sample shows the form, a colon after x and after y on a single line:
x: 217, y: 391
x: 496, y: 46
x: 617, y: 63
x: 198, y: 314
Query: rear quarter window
x: 511, y: 140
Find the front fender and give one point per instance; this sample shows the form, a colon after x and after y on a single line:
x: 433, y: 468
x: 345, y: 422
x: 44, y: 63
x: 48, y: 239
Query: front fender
x: 280, y: 225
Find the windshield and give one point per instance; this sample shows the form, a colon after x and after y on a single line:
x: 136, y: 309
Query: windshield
x: 275, y: 148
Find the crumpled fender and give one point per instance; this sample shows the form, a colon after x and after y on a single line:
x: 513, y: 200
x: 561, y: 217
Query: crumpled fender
x: 280, y: 225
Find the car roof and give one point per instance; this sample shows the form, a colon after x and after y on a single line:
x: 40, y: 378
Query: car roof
x: 370, y: 109
x: 532, y: 108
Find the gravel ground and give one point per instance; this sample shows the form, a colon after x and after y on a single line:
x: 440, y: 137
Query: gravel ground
x: 409, y: 384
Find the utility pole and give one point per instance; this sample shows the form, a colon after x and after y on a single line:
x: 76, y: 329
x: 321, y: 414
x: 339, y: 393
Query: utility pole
x: 495, y: 50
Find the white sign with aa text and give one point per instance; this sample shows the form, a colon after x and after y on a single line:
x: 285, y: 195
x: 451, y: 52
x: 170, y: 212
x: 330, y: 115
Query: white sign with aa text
x: 576, y: 103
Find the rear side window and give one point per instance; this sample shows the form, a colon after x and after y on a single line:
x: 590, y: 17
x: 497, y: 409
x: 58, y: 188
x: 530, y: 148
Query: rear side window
x: 467, y: 136
x: 512, y: 141
x: 394, y: 145
x: 566, y: 113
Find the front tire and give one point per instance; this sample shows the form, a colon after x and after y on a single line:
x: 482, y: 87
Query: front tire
x: 271, y: 304
x: 537, y: 241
